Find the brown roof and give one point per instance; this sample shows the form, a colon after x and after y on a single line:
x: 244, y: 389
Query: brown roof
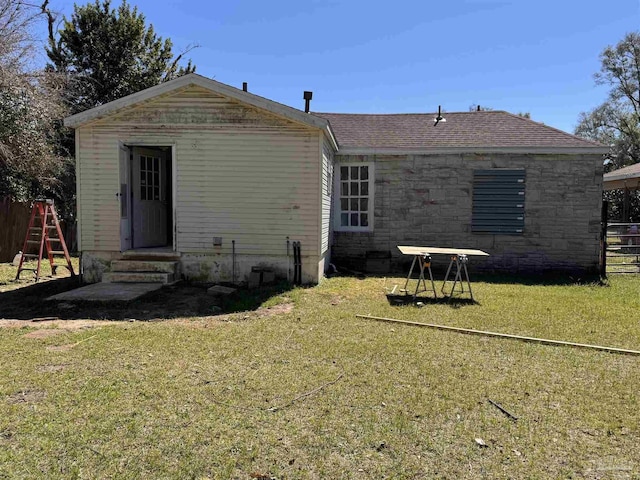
x: 631, y: 171
x: 488, y: 129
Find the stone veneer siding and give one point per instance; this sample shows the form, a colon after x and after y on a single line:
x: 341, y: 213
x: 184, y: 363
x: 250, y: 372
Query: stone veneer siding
x: 427, y: 200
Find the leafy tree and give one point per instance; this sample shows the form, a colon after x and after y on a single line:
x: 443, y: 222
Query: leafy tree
x: 110, y: 53
x: 616, y: 122
x: 30, y: 108
x: 104, y: 54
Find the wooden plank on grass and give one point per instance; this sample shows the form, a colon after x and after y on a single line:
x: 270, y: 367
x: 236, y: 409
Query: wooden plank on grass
x: 505, y: 335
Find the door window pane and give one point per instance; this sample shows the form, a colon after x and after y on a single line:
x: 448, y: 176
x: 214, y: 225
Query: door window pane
x: 150, y: 188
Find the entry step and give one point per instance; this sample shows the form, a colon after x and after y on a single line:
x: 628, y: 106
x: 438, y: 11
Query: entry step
x: 143, y: 266
x: 138, y: 277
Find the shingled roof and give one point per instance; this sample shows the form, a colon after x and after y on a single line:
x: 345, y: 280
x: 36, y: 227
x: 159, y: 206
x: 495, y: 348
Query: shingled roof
x: 463, y: 131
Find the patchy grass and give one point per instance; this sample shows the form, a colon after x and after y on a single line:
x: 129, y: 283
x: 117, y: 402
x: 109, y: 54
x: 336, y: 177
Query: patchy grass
x: 313, y: 392
x: 8, y: 273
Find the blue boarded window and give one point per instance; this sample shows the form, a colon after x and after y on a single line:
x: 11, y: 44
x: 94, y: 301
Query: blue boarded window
x: 498, y: 201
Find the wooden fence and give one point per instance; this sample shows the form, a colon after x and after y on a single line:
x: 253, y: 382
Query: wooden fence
x: 14, y: 220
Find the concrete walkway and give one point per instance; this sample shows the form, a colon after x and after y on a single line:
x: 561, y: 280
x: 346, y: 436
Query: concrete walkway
x: 106, y: 292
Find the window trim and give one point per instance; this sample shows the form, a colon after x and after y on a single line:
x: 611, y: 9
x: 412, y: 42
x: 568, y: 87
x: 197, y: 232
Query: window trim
x: 336, y: 189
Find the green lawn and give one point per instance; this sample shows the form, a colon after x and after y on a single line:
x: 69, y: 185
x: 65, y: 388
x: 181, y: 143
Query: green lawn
x: 313, y: 392
x: 8, y: 273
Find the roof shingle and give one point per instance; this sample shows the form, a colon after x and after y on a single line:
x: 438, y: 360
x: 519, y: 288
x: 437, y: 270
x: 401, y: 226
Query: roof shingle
x: 486, y: 129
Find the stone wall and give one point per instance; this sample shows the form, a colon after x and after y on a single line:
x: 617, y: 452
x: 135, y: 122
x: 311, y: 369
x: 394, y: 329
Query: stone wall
x: 427, y: 200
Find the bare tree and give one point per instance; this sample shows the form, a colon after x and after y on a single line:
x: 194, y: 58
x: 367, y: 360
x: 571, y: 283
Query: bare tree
x: 30, y: 107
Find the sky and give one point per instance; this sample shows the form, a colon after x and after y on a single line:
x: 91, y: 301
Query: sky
x: 407, y: 56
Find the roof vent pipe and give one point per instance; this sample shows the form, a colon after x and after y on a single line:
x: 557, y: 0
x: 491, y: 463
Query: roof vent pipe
x: 307, y: 99
x: 439, y: 118
x: 245, y: 87
x: 478, y: 108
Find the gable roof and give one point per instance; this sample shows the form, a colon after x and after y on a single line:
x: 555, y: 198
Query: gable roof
x: 204, y: 82
x: 465, y: 131
x: 631, y: 171
x: 625, y: 177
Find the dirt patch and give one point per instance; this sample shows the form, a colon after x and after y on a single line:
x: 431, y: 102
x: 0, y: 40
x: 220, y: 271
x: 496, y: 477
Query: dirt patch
x: 26, y: 396
x: 53, y: 324
x: 200, y: 322
x: 44, y: 333
x: 214, y: 320
x: 279, y: 309
x: 18, y: 308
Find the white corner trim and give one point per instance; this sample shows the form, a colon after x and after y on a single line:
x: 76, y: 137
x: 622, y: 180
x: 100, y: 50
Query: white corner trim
x: 332, y: 138
x: 80, y: 225
x: 194, y: 79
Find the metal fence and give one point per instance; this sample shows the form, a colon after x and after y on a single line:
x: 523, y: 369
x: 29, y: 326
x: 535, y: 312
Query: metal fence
x: 623, y: 248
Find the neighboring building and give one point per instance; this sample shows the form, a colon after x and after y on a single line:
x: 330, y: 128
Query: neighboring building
x: 626, y: 179
x: 195, y: 170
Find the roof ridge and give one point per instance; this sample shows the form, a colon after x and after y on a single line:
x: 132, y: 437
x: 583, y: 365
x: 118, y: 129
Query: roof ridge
x: 407, y: 113
x: 571, y: 135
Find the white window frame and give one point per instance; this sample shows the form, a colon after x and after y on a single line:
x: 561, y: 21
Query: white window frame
x: 336, y: 189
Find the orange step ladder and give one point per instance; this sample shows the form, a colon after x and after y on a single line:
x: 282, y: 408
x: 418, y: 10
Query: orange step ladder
x: 44, y: 232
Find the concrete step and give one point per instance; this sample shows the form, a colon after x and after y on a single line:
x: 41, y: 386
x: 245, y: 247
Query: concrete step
x: 138, y: 277
x: 152, y: 255
x: 143, y: 266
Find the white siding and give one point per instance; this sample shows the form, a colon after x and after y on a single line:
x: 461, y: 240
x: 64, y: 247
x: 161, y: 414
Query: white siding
x: 241, y: 174
x: 327, y: 186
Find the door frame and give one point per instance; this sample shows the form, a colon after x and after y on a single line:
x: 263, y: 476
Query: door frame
x: 174, y: 183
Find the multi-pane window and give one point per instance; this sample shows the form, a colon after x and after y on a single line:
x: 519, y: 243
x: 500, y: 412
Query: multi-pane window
x: 149, y: 178
x: 355, y: 199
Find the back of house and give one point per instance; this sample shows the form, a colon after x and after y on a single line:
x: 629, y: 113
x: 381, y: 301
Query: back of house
x: 221, y: 182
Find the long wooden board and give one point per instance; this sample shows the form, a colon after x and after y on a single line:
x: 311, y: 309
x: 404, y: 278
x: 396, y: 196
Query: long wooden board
x: 505, y: 335
x: 409, y: 250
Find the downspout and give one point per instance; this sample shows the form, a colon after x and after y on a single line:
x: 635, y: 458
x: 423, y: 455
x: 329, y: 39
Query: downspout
x: 233, y: 261
x: 288, y: 262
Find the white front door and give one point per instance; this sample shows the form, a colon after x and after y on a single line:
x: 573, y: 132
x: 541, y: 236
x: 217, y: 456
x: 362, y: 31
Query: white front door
x: 149, y: 183
x: 124, y: 195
